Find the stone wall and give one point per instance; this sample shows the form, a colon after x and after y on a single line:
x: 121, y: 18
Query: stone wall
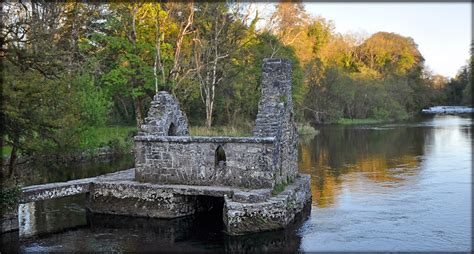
x: 165, y: 117
x: 138, y: 200
x: 248, y: 163
x: 275, y: 116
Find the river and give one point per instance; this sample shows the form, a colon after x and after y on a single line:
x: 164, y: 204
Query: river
x: 384, y: 187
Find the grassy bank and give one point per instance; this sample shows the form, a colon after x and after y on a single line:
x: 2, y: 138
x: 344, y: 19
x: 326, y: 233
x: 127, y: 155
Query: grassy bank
x: 96, y: 137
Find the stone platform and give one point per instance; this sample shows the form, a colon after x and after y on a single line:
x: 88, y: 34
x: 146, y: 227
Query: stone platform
x: 243, y: 210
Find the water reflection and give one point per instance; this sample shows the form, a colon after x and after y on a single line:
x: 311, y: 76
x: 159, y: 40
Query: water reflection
x: 378, y: 153
x: 51, y: 216
x: 96, y: 232
x: 391, y: 187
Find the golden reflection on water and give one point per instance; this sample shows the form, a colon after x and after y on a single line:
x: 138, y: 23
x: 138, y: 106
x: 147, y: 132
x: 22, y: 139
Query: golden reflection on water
x: 333, y: 165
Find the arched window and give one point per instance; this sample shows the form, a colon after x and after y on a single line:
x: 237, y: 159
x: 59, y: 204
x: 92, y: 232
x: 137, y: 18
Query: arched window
x: 172, y: 130
x: 220, y: 157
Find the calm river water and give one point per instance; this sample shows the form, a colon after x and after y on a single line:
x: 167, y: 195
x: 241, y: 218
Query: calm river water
x: 387, y: 187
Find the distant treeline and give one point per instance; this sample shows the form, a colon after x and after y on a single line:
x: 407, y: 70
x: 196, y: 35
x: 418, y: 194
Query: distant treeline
x: 72, y: 66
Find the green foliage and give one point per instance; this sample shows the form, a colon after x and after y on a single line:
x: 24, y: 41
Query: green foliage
x: 278, y: 188
x: 9, y: 197
x: 94, y: 103
x: 306, y: 129
x: 37, y: 112
x: 458, y: 91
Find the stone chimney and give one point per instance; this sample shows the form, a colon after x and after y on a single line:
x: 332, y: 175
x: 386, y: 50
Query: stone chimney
x: 276, y: 100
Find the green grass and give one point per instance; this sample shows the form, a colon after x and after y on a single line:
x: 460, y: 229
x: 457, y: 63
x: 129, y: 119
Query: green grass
x: 229, y: 131
x: 232, y: 131
x: 348, y: 121
x: 95, y: 137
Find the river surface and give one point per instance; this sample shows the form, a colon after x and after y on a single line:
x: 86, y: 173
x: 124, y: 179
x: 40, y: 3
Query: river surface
x: 385, y: 187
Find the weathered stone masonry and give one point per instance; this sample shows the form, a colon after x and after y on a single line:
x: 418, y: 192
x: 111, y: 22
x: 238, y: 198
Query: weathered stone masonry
x: 263, y: 161
x: 258, y: 163
x: 165, y: 117
x: 275, y: 117
x: 192, y: 160
x: 175, y: 172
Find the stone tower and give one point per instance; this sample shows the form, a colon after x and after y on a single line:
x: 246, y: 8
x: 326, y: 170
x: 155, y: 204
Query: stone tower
x: 275, y: 116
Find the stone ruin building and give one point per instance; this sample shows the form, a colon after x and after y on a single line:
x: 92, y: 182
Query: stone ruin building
x: 177, y: 175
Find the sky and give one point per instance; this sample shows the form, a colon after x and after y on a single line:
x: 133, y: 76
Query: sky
x: 441, y: 30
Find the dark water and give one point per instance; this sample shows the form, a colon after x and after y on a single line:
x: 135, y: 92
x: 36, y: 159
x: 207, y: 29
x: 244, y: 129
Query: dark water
x: 388, y: 187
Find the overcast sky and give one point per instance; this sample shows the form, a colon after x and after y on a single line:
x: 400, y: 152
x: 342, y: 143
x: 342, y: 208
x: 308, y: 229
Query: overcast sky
x: 441, y: 30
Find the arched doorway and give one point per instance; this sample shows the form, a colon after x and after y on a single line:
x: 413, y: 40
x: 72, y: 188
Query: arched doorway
x: 172, y: 130
x: 220, y: 159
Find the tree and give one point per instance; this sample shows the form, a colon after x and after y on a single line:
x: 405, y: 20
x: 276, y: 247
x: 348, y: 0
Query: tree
x: 216, y: 39
x: 390, y: 53
x: 36, y: 111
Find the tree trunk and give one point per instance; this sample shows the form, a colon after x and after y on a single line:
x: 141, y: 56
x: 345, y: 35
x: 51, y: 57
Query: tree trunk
x: 12, y: 162
x: 138, y: 111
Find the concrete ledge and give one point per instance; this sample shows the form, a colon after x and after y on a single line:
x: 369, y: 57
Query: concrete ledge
x: 245, y: 210
x: 63, y: 189
x: 203, y: 139
x: 149, y: 191
x: 54, y: 190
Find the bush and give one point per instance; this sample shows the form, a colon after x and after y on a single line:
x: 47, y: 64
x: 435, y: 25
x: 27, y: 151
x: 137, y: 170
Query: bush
x: 9, y: 197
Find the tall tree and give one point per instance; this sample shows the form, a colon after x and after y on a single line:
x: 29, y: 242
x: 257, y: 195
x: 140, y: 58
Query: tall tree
x: 36, y: 111
x: 217, y: 37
